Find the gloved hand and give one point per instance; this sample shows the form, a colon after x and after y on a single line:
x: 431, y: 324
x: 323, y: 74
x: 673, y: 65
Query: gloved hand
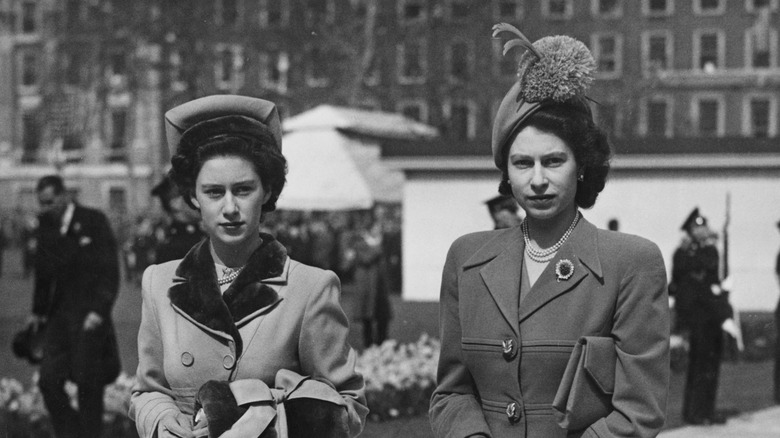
x: 730, y: 327
x: 178, y: 425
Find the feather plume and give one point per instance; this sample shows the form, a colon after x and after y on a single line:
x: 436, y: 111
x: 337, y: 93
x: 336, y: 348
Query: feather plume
x: 521, y: 39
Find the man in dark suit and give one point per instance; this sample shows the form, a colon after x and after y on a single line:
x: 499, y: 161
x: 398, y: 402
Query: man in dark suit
x: 76, y: 283
x: 182, y: 231
x: 704, y: 312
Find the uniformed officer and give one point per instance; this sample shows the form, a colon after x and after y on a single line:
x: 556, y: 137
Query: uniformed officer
x: 183, y: 229
x: 503, y: 210
x: 703, y: 311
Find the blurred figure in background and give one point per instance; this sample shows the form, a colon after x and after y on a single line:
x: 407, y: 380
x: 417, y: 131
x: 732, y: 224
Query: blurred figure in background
x: 703, y: 312
x: 76, y: 284
x: 364, y: 260
x: 777, y: 329
x: 503, y: 210
x: 181, y: 231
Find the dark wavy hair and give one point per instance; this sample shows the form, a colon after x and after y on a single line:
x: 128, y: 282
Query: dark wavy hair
x: 588, y: 142
x: 268, y: 162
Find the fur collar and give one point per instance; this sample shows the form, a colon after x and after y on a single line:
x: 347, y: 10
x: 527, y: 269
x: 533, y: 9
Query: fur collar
x: 196, y: 293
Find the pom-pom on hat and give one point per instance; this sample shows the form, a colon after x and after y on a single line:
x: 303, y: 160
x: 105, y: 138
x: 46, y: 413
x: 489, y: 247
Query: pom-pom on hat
x: 553, y: 70
x: 209, y: 116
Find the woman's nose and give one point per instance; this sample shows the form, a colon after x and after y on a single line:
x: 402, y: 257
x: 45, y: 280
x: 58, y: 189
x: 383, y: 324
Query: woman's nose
x: 539, y: 178
x: 230, y: 206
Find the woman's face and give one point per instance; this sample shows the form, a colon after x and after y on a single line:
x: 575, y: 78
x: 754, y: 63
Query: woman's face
x: 230, y: 196
x: 543, y: 174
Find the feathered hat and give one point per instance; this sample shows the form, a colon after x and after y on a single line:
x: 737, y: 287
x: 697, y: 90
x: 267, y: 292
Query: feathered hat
x: 553, y: 70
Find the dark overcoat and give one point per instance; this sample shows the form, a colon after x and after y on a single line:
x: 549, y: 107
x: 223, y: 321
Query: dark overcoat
x: 277, y: 314
x: 75, y: 274
x: 617, y: 289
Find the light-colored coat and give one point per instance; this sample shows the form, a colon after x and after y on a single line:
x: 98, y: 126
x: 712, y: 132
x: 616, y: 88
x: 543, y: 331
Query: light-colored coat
x: 278, y: 314
x: 618, y: 289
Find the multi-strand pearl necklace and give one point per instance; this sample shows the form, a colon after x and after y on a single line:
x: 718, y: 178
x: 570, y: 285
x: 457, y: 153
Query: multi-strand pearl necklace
x: 229, y: 274
x: 545, y: 255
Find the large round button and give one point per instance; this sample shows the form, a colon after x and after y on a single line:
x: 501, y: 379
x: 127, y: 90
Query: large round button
x: 228, y: 361
x: 513, y: 412
x: 509, y: 349
x: 186, y: 359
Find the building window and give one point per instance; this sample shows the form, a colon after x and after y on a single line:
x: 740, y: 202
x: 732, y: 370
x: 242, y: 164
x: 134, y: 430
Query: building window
x: 459, y: 62
x: 176, y: 71
x: 657, y: 51
x: 274, y: 67
x: 31, y: 137
x: 319, y: 12
x: 760, y: 115
x: 416, y: 109
x: 606, y: 115
x: 117, y: 201
x: 458, y: 9
x: 761, y: 43
x: 316, y: 67
x: 607, y: 8
x: 708, y: 116
x: 508, y: 10
x: 117, y: 135
x: 657, y: 8
x: 29, y: 22
x: 709, y: 7
x: 607, y: 51
x: 708, y: 50
x: 274, y: 13
x: 460, y: 118
x: 412, y: 62
x: 29, y: 69
x: 73, y: 11
x: 373, y: 75
x: 759, y: 5
x: 657, y: 117
x: 73, y: 65
x: 227, y: 12
x: 557, y: 9
x: 118, y: 63
x: 229, y: 67
x: 410, y: 11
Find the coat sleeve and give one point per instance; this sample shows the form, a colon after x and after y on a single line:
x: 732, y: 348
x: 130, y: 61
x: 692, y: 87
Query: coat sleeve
x: 641, y: 331
x: 102, y: 266
x: 325, y: 351
x: 151, y: 397
x: 454, y: 410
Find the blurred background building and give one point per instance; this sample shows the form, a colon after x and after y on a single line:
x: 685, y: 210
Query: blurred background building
x: 688, y: 90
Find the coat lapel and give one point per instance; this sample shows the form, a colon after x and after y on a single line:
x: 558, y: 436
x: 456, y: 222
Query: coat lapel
x: 196, y: 294
x: 581, y: 249
x: 502, y: 258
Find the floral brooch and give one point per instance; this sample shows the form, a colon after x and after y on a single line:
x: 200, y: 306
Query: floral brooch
x: 564, y: 269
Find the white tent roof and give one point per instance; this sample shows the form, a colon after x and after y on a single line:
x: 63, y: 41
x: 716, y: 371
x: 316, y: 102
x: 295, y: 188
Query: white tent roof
x: 371, y: 123
x: 321, y: 174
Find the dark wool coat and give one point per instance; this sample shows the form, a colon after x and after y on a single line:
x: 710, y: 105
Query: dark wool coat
x: 75, y: 274
x: 618, y: 289
x: 277, y: 314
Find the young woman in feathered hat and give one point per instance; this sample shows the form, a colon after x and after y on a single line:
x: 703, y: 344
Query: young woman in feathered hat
x: 236, y: 328
x: 552, y: 328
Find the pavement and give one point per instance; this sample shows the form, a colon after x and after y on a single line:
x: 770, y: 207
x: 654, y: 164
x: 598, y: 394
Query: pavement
x: 764, y: 423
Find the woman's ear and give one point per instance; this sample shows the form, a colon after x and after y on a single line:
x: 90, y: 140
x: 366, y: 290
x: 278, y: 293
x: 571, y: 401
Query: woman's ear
x: 195, y: 202
x: 267, y: 196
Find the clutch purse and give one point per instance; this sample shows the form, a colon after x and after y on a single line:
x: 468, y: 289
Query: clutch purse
x: 585, y: 392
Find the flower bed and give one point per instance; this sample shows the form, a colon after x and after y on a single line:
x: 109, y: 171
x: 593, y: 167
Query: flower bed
x: 399, y: 381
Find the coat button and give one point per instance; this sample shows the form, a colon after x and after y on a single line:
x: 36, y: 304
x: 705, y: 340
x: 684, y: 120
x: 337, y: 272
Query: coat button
x: 509, y: 349
x: 187, y: 359
x: 228, y: 361
x: 513, y: 412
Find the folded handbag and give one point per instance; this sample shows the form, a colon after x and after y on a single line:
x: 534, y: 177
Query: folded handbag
x: 585, y: 393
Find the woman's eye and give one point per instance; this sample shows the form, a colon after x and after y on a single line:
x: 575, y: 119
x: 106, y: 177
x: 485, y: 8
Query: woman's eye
x: 554, y: 162
x: 242, y: 190
x: 213, y: 193
x: 521, y: 163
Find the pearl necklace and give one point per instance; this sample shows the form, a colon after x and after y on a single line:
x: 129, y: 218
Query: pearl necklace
x: 229, y: 274
x: 545, y: 255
